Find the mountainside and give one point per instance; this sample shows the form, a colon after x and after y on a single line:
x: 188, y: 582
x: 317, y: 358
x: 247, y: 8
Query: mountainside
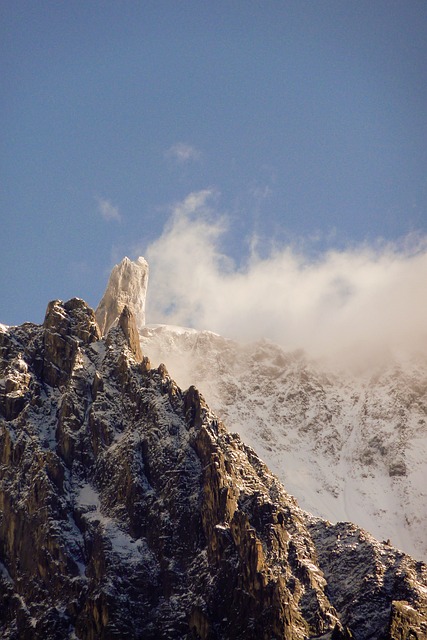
x: 349, y: 447
x: 127, y: 510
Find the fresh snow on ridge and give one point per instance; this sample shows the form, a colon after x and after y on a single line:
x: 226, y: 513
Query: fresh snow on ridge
x: 349, y: 447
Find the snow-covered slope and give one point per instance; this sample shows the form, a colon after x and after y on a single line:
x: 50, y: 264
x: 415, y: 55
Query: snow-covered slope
x: 350, y: 447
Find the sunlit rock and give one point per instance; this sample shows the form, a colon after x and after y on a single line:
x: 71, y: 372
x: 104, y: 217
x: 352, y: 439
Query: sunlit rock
x: 127, y: 287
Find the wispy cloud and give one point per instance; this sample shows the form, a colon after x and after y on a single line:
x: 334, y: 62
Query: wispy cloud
x: 261, y: 192
x: 183, y: 153
x: 107, y: 210
x: 363, y: 300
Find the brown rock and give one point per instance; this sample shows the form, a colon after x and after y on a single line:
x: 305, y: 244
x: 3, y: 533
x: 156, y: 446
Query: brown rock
x: 127, y: 286
x: 128, y: 326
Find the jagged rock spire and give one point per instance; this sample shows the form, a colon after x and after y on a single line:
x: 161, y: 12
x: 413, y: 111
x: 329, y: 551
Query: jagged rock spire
x: 127, y: 287
x: 128, y: 326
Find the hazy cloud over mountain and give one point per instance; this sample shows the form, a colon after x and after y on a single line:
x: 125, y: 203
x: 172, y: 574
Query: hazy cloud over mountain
x: 365, y: 299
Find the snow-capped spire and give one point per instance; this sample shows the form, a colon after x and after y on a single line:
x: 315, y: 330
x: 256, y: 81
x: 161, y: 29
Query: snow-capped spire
x: 127, y: 286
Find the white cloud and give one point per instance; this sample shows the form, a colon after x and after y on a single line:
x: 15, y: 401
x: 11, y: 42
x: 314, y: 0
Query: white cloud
x: 182, y: 153
x: 108, y: 211
x: 261, y: 192
x: 362, y: 300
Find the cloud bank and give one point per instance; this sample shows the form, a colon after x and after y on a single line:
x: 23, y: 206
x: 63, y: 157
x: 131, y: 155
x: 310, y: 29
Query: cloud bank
x: 364, y: 300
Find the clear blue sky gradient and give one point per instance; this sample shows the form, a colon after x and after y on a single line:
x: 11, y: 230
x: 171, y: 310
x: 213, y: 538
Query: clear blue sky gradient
x: 308, y: 118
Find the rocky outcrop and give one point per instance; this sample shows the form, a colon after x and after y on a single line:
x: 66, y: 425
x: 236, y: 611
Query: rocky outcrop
x: 127, y: 510
x: 127, y: 287
x: 128, y: 326
x: 362, y: 574
x: 66, y: 327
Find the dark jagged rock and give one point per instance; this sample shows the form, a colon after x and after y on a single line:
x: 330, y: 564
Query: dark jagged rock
x: 127, y: 510
x: 364, y: 574
x: 66, y: 326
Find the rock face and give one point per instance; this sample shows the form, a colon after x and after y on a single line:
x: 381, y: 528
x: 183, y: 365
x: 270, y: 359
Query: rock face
x: 127, y: 510
x: 127, y: 286
x: 128, y: 326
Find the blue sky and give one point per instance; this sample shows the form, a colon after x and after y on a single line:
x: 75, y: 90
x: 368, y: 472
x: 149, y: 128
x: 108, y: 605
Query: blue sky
x: 303, y: 123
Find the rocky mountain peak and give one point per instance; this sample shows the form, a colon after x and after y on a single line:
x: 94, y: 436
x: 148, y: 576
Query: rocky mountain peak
x: 127, y: 287
x: 66, y: 326
x: 127, y: 510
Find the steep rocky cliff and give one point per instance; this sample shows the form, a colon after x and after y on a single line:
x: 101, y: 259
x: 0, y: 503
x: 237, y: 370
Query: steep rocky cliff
x: 127, y: 510
x: 126, y: 287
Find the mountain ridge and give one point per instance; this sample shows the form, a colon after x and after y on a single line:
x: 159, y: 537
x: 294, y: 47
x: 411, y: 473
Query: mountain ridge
x: 128, y: 510
x: 349, y: 447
